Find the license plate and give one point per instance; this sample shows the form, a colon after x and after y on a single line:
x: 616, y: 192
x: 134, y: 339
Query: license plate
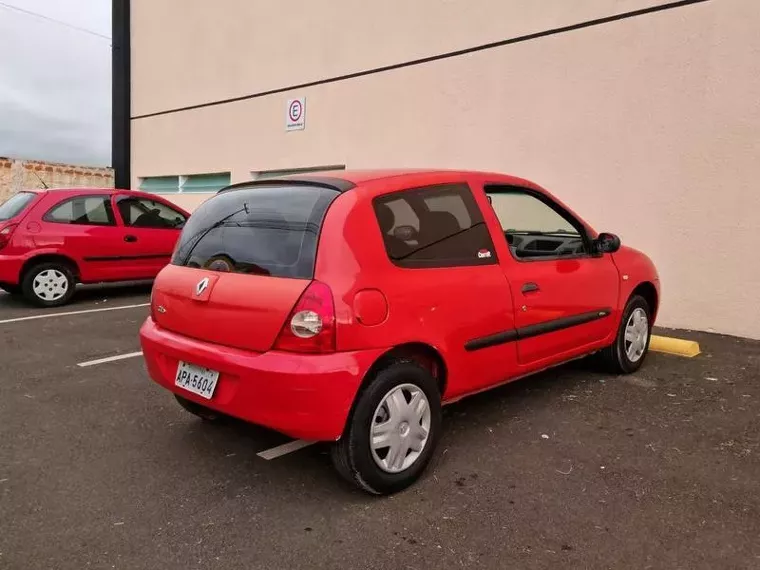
x: 196, y: 379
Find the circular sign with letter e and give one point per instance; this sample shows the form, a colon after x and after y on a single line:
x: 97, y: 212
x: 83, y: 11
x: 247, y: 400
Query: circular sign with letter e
x: 296, y: 111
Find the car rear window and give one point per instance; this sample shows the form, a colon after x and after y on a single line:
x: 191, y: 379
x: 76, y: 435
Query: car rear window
x: 434, y: 226
x: 14, y: 205
x: 261, y: 230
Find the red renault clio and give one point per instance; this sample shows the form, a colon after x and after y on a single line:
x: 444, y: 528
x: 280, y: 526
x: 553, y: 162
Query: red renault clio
x: 52, y: 239
x: 348, y: 307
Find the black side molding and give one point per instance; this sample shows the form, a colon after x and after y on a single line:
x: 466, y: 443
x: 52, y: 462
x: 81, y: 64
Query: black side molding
x: 535, y: 330
x: 490, y: 340
x: 129, y: 257
x: 563, y: 323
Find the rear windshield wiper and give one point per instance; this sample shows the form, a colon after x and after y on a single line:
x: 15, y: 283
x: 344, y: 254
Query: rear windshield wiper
x: 196, y: 239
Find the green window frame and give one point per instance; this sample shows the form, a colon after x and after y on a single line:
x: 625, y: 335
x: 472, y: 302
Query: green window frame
x: 208, y: 183
x: 160, y: 184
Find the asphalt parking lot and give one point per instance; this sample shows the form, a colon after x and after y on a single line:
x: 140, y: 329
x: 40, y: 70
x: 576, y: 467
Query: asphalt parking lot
x: 99, y: 468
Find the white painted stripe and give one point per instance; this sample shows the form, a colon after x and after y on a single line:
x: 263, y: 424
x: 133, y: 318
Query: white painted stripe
x: 69, y: 313
x: 109, y: 359
x: 284, y: 449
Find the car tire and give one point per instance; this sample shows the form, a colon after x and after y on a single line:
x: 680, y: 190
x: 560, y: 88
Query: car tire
x: 622, y: 357
x: 376, y: 469
x: 206, y: 414
x: 48, y: 284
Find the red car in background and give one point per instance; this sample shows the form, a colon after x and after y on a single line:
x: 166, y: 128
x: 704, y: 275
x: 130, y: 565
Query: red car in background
x: 348, y: 307
x: 52, y: 239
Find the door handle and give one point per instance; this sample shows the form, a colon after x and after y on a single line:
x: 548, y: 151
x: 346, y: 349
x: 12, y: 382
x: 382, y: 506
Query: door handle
x: 130, y: 238
x: 530, y: 288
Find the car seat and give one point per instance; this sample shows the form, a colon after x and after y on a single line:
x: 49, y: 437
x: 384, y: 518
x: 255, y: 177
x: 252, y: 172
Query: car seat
x: 395, y: 246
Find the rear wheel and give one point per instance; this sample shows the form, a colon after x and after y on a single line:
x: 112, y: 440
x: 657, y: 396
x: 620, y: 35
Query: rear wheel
x: 627, y: 353
x: 393, y: 431
x: 48, y: 284
x: 206, y: 414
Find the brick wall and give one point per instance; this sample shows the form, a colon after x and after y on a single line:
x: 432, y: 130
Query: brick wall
x: 18, y: 174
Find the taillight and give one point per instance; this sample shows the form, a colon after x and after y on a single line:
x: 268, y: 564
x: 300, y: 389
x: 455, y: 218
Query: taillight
x: 5, y: 235
x: 311, y: 324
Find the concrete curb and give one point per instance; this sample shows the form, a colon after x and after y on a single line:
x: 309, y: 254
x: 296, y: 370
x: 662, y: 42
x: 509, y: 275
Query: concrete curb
x: 675, y: 346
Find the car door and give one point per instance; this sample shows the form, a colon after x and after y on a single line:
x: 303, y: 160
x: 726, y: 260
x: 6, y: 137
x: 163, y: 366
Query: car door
x: 84, y: 228
x: 454, y: 295
x: 564, y: 294
x: 151, y: 229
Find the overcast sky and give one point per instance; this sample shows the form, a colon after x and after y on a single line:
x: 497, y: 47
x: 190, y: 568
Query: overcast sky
x: 55, y: 82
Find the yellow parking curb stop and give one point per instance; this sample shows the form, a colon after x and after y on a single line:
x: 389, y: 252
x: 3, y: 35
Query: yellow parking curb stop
x: 676, y: 346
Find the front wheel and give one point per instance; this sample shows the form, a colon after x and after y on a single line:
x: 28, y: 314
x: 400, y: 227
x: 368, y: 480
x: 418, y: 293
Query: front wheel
x: 392, y: 432
x: 627, y: 353
x: 48, y: 284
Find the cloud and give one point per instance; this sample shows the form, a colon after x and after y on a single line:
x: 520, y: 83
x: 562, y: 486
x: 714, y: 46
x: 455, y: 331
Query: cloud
x: 55, y: 86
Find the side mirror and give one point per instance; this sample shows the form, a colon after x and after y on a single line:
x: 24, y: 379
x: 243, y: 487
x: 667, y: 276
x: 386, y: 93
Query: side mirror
x: 607, y: 243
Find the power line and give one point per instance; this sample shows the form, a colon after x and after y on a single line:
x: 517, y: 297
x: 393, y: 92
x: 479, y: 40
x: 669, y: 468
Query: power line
x: 49, y: 19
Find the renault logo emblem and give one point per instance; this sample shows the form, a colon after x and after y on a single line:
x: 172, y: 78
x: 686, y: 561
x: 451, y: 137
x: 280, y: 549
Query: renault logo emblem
x: 201, y: 286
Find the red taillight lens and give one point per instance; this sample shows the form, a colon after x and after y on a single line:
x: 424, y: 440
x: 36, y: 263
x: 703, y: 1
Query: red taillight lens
x: 5, y: 235
x: 311, y: 324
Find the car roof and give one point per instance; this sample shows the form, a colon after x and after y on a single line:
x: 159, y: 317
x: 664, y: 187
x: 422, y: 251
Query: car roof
x: 343, y: 180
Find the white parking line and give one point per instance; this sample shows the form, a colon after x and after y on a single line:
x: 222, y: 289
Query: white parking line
x: 284, y: 449
x: 69, y: 313
x: 109, y: 359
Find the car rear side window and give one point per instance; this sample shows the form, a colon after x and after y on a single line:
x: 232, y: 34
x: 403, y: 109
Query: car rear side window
x: 82, y: 210
x: 262, y: 230
x: 16, y: 204
x: 434, y: 226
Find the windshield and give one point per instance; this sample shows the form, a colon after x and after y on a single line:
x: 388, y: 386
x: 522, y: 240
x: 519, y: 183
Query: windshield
x: 261, y: 230
x: 14, y: 205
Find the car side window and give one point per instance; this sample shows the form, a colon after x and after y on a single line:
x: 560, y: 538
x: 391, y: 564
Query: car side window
x: 83, y: 210
x: 535, y: 229
x: 434, y: 226
x: 145, y: 213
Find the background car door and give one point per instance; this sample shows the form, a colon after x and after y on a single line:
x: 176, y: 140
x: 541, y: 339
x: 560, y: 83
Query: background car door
x: 564, y: 296
x: 85, y: 229
x: 151, y: 228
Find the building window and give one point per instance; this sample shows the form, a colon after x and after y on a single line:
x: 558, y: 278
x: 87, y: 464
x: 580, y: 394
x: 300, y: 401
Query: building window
x: 160, y: 184
x: 195, y: 183
x: 262, y: 174
x: 205, y: 182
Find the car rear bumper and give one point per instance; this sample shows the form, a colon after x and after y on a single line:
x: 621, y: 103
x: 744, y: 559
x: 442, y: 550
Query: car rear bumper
x: 305, y: 396
x: 10, y: 269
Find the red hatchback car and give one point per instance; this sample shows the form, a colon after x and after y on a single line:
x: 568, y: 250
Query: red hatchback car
x: 348, y: 307
x: 52, y: 239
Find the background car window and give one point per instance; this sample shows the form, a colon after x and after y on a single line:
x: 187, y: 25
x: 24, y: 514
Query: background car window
x: 14, y: 205
x: 144, y: 213
x: 87, y: 210
x: 435, y: 226
x: 533, y: 228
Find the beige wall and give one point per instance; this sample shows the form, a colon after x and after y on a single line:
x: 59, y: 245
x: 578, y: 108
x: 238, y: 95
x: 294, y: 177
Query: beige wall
x: 646, y: 126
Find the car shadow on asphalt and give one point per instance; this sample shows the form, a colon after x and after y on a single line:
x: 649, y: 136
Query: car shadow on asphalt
x: 238, y: 442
